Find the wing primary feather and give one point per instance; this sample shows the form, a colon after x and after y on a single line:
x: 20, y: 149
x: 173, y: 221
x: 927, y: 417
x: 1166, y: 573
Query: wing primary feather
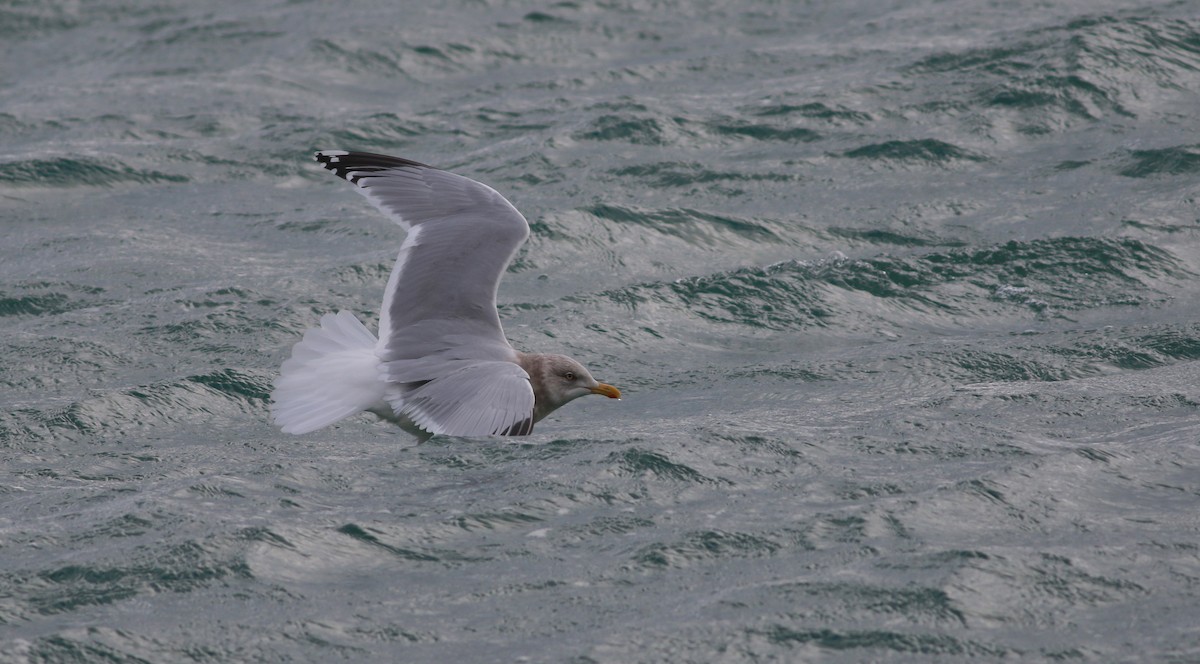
x: 459, y: 379
x: 342, y: 163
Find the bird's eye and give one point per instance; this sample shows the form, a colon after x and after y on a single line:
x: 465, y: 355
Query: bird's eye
x: 570, y: 375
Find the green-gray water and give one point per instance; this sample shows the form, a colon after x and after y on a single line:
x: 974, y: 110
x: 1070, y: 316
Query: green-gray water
x: 902, y: 298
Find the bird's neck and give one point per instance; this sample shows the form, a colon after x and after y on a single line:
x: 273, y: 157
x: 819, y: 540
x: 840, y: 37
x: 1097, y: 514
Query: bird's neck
x: 537, y: 365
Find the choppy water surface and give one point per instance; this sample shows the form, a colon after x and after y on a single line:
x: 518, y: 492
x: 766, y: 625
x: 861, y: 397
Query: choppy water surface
x: 901, y: 295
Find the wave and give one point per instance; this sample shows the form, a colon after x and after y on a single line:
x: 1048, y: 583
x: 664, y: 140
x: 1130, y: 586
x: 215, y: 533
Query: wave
x: 78, y: 171
x: 195, y: 399
x: 1046, y: 277
x: 1086, y: 70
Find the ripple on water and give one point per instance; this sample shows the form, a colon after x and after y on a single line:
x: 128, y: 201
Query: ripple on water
x: 44, y: 298
x: 77, y: 172
x: 117, y: 413
x: 1045, y: 276
x: 705, y: 546
x: 929, y: 151
x: 636, y: 462
x: 177, y: 568
x: 1179, y: 160
x: 1079, y: 72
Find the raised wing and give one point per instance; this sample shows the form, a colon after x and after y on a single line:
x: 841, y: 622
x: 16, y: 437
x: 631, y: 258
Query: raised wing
x: 461, y: 237
x: 439, y: 309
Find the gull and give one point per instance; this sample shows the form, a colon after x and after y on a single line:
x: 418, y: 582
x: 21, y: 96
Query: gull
x: 441, y: 362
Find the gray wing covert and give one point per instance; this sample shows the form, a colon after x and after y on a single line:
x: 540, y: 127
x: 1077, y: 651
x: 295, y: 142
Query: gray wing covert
x: 472, y: 399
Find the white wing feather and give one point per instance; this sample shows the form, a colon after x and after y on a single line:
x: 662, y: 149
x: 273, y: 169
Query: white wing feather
x: 441, y: 345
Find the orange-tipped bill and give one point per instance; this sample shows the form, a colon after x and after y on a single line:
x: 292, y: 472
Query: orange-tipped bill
x: 607, y: 390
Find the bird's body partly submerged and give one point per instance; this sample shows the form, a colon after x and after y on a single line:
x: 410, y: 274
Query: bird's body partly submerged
x: 441, y: 361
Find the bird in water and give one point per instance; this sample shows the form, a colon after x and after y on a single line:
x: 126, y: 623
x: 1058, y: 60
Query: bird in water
x: 441, y: 363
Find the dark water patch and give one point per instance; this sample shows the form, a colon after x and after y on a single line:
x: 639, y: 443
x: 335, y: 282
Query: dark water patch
x: 1057, y: 579
x: 431, y: 51
x: 78, y: 171
x: 704, y: 547
x: 517, y: 452
x: 178, y: 568
x: 604, y: 527
x: 121, y: 412
x: 1072, y: 95
x: 511, y: 309
x: 814, y: 110
x: 635, y: 130
x: 358, y: 59
x: 1182, y: 160
x: 1159, y: 49
x: 1044, y: 276
x: 979, y: 366
x: 541, y: 18
x: 880, y: 236
x: 375, y: 538
x: 379, y: 130
x: 1070, y: 165
x: 452, y: 460
x: 427, y: 60
x: 685, y: 174
x: 695, y: 227
x: 364, y: 274
x: 10, y: 125
x: 1039, y: 82
x: 929, y: 150
x: 50, y: 363
x: 1070, y: 271
x: 222, y: 297
x: 366, y: 536
x: 328, y: 226
x: 919, y: 605
x: 207, y: 35
x: 1114, y: 352
x: 33, y: 304
x: 773, y: 298
x: 985, y: 489
x: 505, y: 122
x: 755, y: 444
x: 884, y: 640
x: 1080, y: 354
x: 1092, y: 453
x: 635, y: 462
x: 85, y: 650
x: 1004, y: 60
x: 235, y: 384
x: 763, y: 132
x: 210, y: 491
x: 1082, y: 71
x: 26, y: 20
x: 1173, y: 342
x: 494, y: 520
x: 449, y: 51
x: 126, y: 525
x: 216, y: 331
x: 861, y: 491
x: 41, y: 298
x: 787, y: 372
x: 988, y: 444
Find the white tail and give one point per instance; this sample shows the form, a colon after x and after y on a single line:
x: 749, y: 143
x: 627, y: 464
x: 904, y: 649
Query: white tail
x: 333, y: 373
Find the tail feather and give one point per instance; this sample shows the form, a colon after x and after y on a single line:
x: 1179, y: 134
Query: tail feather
x: 333, y: 373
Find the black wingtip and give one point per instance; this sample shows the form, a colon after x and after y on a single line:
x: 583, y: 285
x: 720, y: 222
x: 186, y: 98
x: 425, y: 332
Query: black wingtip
x: 522, y: 428
x: 342, y: 162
